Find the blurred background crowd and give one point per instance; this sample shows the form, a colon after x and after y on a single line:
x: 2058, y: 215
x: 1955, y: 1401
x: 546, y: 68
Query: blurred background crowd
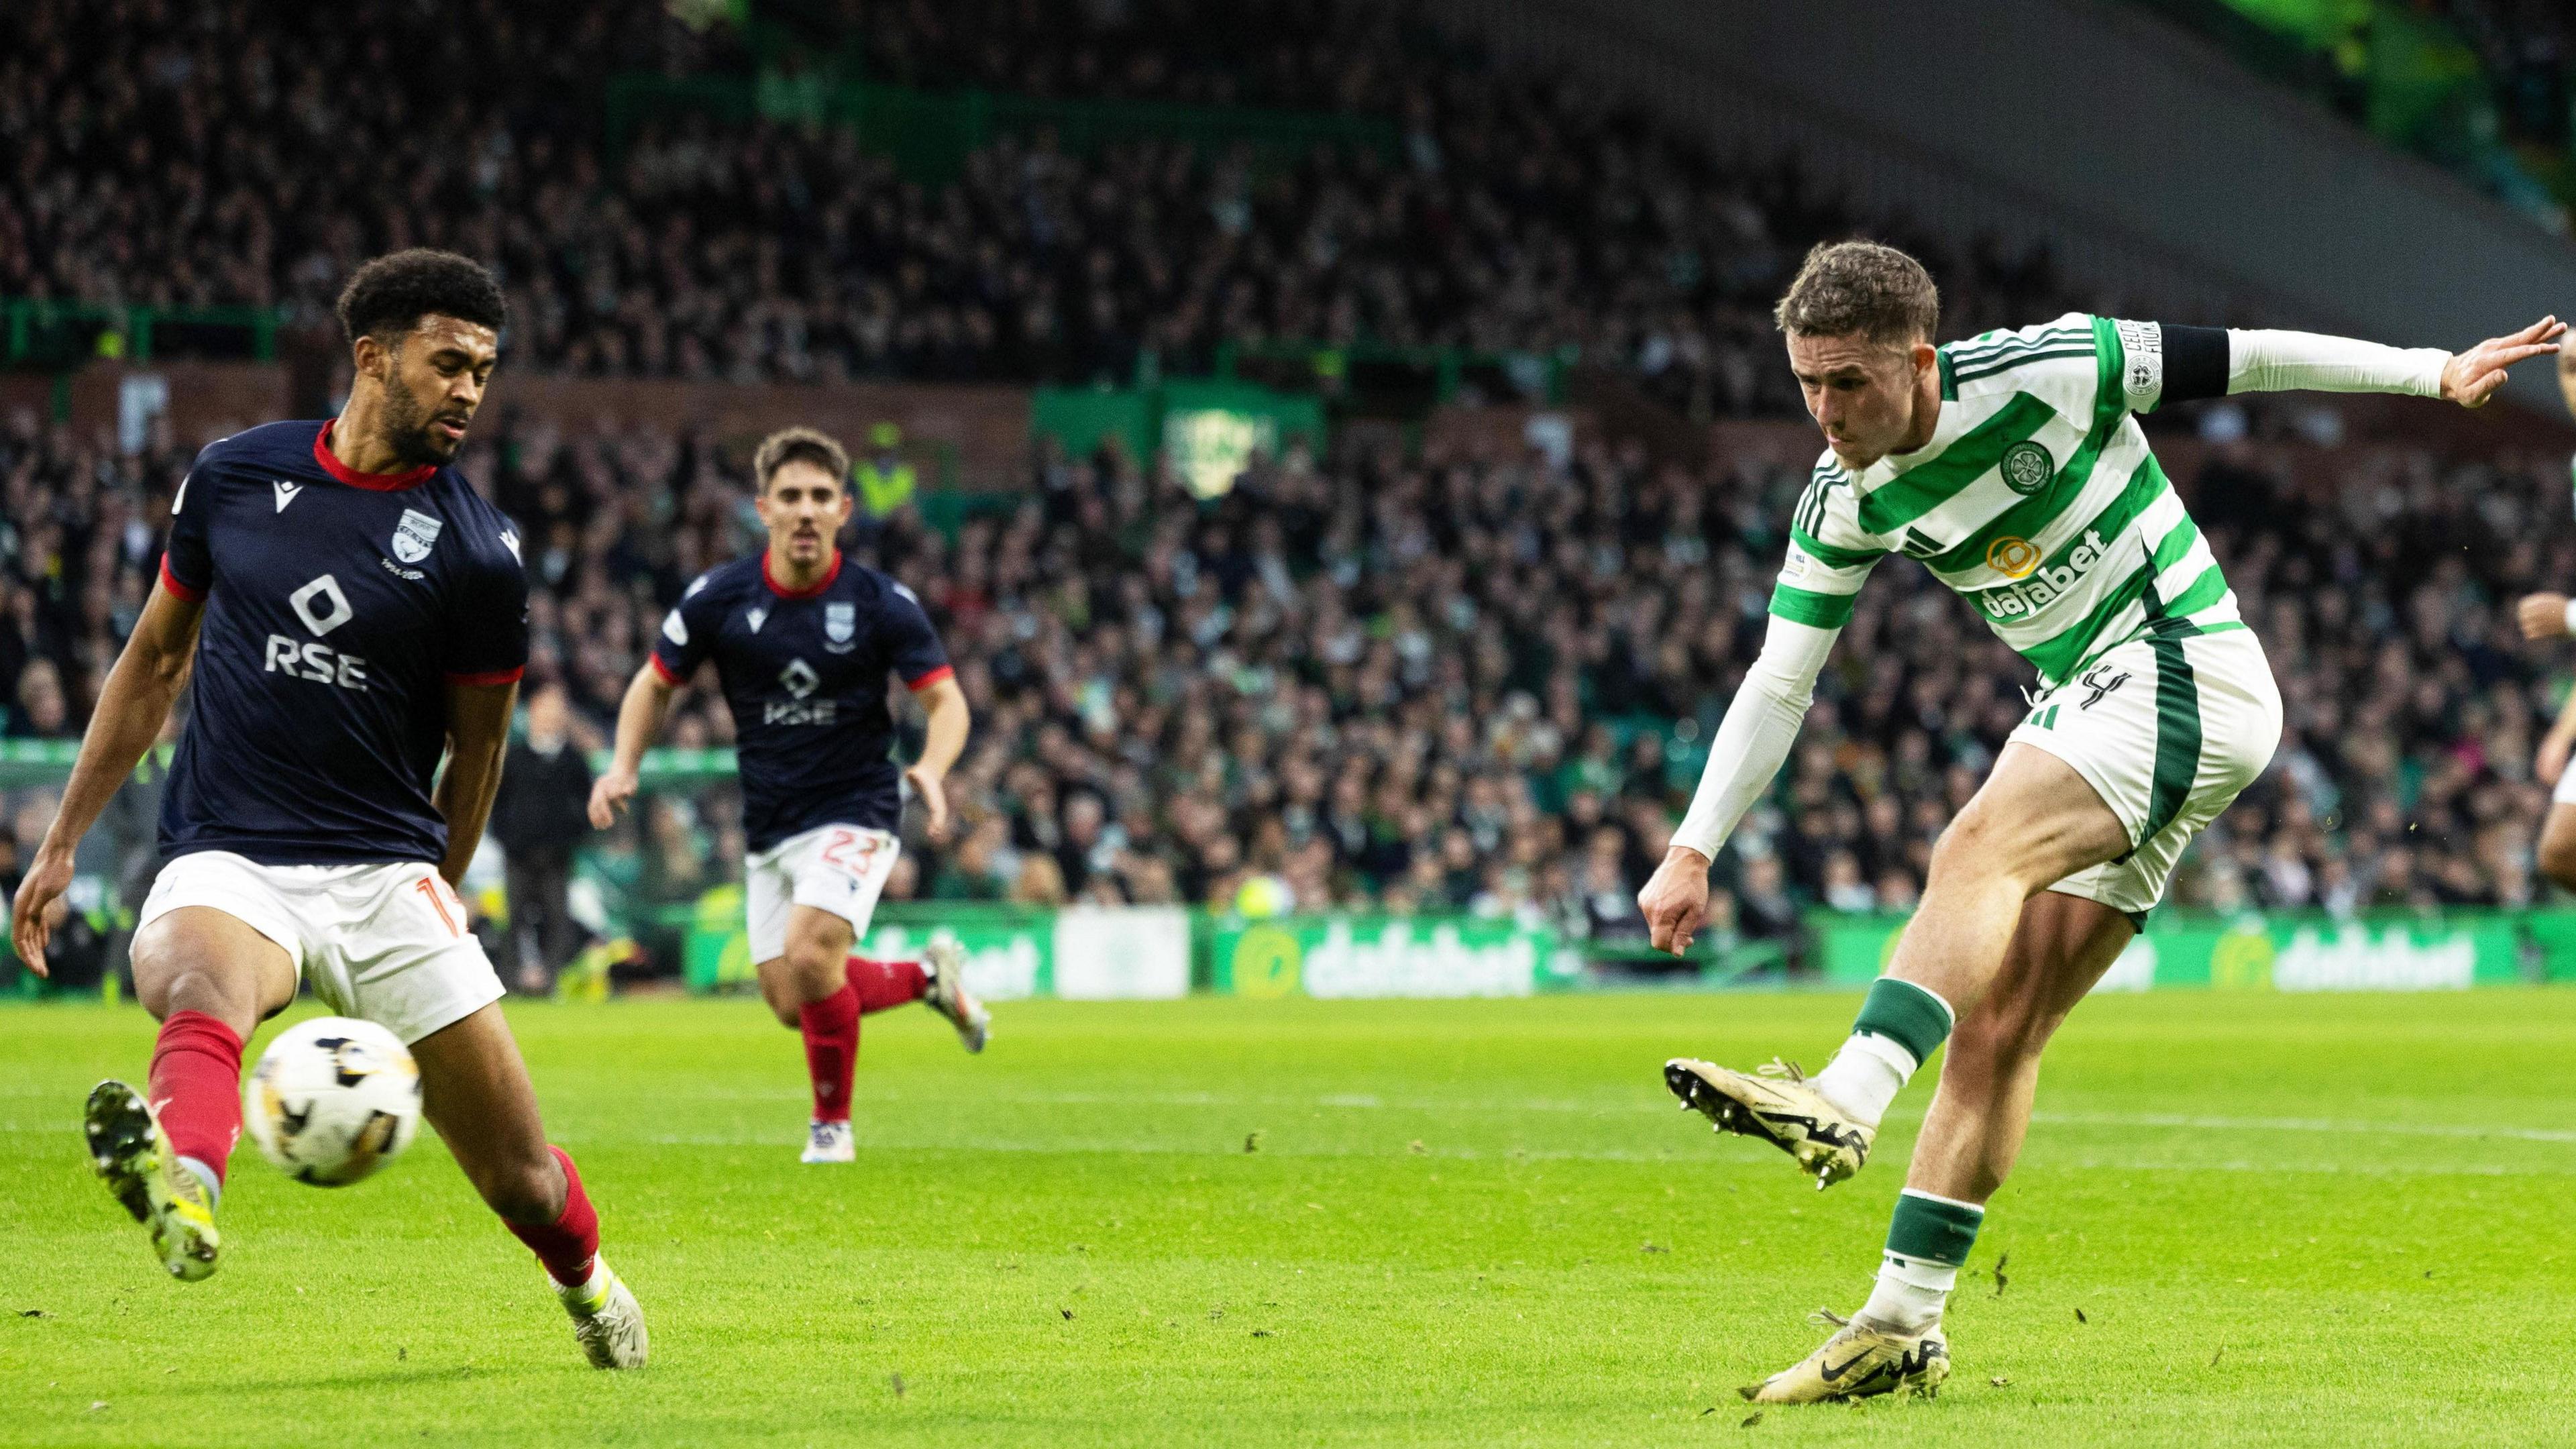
x: 1476, y: 683
x: 1471, y: 678
x: 171, y: 154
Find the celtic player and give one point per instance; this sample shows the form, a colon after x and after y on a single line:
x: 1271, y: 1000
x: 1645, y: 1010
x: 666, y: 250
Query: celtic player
x: 2013, y: 467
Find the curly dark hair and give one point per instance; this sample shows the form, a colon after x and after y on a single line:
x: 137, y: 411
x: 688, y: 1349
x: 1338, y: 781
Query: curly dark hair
x: 388, y: 296
x: 1861, y: 287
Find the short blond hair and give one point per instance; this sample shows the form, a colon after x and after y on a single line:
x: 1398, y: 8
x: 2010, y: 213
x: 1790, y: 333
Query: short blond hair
x: 799, y: 445
x: 1860, y: 288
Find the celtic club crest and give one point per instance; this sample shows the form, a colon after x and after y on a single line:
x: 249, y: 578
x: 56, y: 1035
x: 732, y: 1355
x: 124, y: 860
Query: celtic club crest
x: 2026, y: 465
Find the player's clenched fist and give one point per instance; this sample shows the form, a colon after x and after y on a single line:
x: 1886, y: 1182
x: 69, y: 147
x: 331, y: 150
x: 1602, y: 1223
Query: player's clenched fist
x: 609, y: 795
x: 1675, y: 902
x: 2542, y: 616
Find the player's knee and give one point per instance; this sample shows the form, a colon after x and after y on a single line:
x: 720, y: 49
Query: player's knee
x: 195, y: 988
x: 1970, y: 847
x: 816, y: 967
x: 527, y: 1190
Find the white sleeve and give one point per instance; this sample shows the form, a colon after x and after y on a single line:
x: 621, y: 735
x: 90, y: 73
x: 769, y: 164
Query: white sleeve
x: 1761, y: 723
x: 2266, y: 361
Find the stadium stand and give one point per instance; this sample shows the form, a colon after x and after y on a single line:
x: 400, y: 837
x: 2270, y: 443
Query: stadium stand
x: 1515, y: 214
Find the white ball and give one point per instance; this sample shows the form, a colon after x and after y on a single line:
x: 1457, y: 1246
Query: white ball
x: 332, y: 1100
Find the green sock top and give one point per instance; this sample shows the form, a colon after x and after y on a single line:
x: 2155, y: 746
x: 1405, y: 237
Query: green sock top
x: 1933, y: 1229
x: 1905, y: 1014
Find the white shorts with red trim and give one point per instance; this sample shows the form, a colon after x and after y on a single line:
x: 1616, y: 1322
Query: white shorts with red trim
x: 837, y: 868
x: 385, y: 943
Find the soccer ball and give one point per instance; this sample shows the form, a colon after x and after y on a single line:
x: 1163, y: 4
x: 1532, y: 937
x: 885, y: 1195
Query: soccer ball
x: 332, y: 1100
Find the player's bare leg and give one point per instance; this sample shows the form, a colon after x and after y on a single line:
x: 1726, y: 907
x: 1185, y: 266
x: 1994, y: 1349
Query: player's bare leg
x: 210, y: 979
x: 2034, y: 823
x: 1989, y: 1076
x: 2558, y: 846
x: 475, y: 1091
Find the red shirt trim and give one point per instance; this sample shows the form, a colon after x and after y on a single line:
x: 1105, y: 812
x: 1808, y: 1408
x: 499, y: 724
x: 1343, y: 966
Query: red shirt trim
x: 662, y: 669
x: 177, y: 589
x: 927, y: 680
x: 379, y: 482
x: 489, y: 676
x: 818, y: 586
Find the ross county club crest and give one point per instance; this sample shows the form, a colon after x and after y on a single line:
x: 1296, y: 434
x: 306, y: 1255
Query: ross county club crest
x: 840, y: 627
x: 2027, y: 465
x: 415, y: 535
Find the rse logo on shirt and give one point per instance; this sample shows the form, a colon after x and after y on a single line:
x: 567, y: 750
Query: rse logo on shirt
x: 323, y: 608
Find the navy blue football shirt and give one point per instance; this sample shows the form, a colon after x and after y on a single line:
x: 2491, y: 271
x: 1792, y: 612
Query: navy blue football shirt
x: 805, y: 673
x: 339, y: 605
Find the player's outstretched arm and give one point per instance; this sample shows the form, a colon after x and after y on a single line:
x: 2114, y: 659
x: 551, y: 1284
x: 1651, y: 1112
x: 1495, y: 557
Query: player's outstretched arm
x: 478, y: 731
x: 1761, y: 723
x: 2273, y: 361
x: 132, y: 705
x: 942, y: 742
x: 639, y: 720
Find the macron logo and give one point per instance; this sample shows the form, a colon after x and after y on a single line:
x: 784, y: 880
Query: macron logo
x: 285, y: 493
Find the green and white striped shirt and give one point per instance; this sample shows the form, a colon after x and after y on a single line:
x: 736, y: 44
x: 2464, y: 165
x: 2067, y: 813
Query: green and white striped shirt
x: 2036, y: 500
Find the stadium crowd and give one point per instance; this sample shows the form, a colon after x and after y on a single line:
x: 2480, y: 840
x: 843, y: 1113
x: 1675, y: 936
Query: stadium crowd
x: 176, y: 156
x: 1464, y: 683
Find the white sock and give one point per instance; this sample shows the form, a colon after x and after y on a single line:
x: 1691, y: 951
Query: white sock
x: 1865, y: 1076
x: 590, y: 1291
x: 1910, y: 1294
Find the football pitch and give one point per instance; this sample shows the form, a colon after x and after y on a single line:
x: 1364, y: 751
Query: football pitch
x: 2242, y: 1219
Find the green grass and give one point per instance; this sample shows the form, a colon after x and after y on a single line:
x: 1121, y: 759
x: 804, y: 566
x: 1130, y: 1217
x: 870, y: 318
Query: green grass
x: 2334, y: 1221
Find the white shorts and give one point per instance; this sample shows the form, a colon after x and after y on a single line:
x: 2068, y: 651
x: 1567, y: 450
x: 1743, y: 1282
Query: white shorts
x: 2168, y: 730
x: 2565, y: 794
x: 384, y: 943
x: 837, y: 868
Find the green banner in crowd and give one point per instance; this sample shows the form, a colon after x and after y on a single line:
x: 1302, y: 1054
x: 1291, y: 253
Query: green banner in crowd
x: 1382, y: 956
x: 2301, y: 952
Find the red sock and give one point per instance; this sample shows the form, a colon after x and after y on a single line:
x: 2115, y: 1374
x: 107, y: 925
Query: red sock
x: 567, y: 1244
x: 196, y: 1088
x: 884, y: 984
x: 831, y: 1028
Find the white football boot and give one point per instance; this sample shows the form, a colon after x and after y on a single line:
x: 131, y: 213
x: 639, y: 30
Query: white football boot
x: 829, y: 1142
x: 606, y: 1320
x: 945, y: 963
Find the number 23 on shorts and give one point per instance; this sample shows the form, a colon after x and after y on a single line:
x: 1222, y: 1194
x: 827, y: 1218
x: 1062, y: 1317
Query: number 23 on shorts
x: 852, y: 852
